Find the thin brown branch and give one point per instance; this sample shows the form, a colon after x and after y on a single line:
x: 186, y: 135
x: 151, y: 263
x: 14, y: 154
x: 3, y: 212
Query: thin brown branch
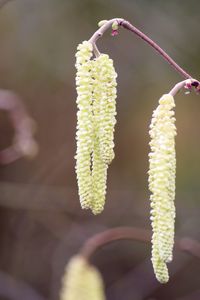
x: 187, y: 84
x: 136, y: 234
x: 120, y: 233
x: 127, y: 25
x: 154, y: 45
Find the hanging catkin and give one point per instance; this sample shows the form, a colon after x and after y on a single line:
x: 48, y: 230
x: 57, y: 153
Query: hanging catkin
x: 84, y: 133
x: 99, y: 167
x: 96, y: 101
x: 162, y: 160
x: 104, y: 111
x: 81, y: 281
x: 107, y: 78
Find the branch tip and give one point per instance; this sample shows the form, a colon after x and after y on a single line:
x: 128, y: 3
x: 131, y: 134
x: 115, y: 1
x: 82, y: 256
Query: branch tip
x: 106, y: 24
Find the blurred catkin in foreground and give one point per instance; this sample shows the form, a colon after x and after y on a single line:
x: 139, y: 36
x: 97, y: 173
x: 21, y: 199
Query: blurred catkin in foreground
x: 81, y: 281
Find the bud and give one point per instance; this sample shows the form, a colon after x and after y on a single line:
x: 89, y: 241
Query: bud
x: 162, y: 168
x: 115, y: 25
x: 101, y: 23
x: 81, y: 281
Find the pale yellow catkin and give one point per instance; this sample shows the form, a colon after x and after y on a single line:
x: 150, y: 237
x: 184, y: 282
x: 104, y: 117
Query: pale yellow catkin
x: 162, y: 166
x: 159, y: 266
x: 96, y: 101
x: 84, y: 123
x: 104, y: 111
x: 81, y: 281
x: 99, y: 167
x: 107, y: 81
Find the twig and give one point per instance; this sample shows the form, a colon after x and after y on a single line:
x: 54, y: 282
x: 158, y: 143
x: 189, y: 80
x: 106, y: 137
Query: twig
x: 187, y: 84
x: 136, y: 234
x: 127, y: 25
x: 120, y: 233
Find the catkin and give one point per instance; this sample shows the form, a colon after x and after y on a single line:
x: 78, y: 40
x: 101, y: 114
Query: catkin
x: 107, y: 80
x: 81, y: 281
x: 162, y: 164
x: 84, y: 123
x: 96, y: 101
x: 99, y: 167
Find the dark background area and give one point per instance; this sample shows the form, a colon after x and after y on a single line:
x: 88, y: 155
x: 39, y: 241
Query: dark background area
x: 41, y: 223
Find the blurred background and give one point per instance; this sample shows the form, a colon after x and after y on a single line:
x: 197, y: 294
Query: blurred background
x: 41, y: 223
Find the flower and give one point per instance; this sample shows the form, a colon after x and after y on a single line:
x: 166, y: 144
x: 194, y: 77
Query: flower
x: 99, y: 167
x: 84, y: 122
x: 104, y: 111
x: 81, y: 281
x: 162, y: 168
x: 114, y: 32
x: 96, y: 101
x: 108, y: 93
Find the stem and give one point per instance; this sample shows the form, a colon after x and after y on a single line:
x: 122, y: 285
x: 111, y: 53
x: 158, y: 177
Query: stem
x: 127, y: 25
x: 103, y: 29
x: 120, y: 233
x: 133, y: 29
x: 188, y: 83
x: 136, y: 234
x: 96, y: 50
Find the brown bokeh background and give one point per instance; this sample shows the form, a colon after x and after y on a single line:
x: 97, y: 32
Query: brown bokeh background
x: 41, y: 223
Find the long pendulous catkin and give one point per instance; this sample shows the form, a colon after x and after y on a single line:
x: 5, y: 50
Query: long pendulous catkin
x: 99, y: 167
x: 107, y: 78
x: 84, y: 123
x: 96, y: 101
x: 162, y: 165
